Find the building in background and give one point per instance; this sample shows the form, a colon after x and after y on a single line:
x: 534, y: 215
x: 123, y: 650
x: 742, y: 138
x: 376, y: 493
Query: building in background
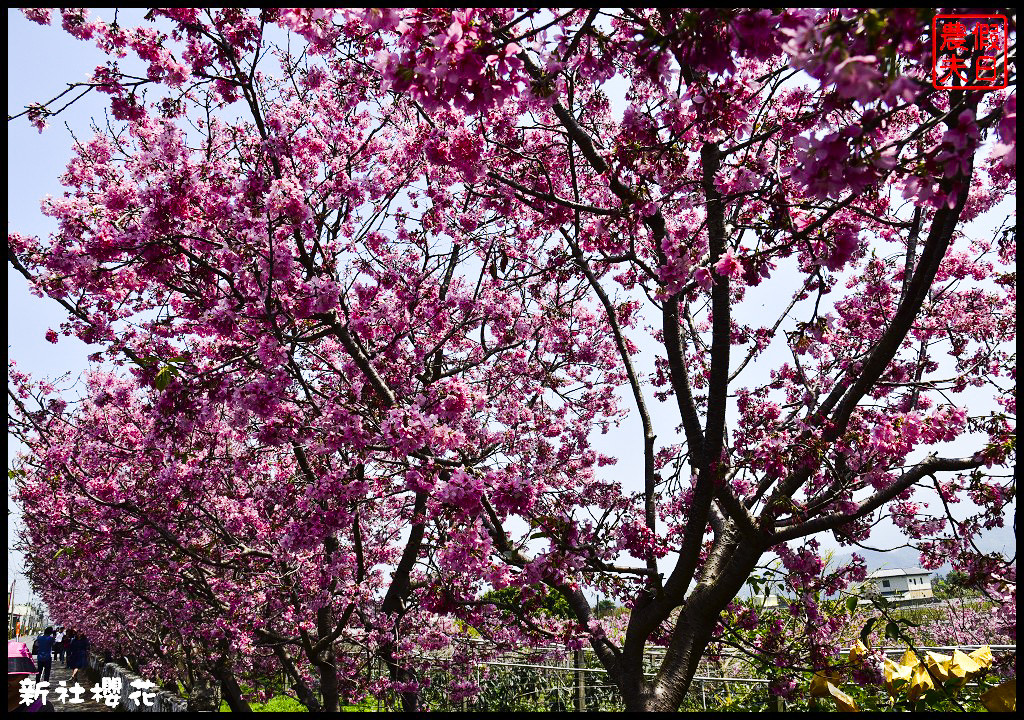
x: 899, y: 584
x: 763, y: 601
x: 26, y: 619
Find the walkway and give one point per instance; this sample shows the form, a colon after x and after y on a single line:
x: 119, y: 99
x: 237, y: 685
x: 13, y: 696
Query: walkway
x: 58, y: 673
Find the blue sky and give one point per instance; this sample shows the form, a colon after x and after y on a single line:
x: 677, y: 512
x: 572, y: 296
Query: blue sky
x: 40, y: 63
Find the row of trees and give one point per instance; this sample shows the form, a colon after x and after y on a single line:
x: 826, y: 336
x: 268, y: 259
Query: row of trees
x: 954, y: 585
x: 363, y: 302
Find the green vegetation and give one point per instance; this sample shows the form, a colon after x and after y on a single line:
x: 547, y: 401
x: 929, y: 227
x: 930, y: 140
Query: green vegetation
x: 278, y: 703
x: 550, y: 602
x: 953, y: 586
x: 367, y: 705
x: 605, y: 607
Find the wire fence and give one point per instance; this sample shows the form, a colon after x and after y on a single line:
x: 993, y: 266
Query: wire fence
x: 554, y: 680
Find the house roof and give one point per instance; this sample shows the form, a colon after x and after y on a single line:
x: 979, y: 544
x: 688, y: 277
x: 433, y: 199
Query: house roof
x: 899, y: 572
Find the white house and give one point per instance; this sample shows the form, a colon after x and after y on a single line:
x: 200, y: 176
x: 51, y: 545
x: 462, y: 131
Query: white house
x: 900, y: 583
x: 29, y: 616
x: 765, y: 602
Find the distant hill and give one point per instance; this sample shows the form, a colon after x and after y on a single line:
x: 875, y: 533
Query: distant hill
x: 1002, y: 540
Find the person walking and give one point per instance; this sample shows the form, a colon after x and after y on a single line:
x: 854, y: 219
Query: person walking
x: 68, y: 638
x: 58, y: 644
x: 44, y: 654
x: 78, y: 654
x: 19, y: 667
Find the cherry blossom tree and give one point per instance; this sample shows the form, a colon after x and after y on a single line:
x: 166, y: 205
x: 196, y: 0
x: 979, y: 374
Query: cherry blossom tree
x: 368, y: 292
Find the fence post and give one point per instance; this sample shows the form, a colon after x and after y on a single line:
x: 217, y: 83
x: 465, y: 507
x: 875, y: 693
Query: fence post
x: 581, y: 690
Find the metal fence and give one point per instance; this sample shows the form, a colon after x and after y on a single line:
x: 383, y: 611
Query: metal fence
x: 557, y: 681
x: 566, y: 682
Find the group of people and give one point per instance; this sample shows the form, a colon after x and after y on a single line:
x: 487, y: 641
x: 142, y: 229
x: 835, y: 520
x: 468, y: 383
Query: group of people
x: 66, y: 645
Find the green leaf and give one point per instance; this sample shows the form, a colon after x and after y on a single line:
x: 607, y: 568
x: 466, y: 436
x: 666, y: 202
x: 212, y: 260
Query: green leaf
x: 866, y: 630
x: 60, y: 552
x: 892, y: 631
x: 851, y: 603
x: 163, y: 378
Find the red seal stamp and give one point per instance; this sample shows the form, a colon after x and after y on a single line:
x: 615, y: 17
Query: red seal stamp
x: 969, y: 52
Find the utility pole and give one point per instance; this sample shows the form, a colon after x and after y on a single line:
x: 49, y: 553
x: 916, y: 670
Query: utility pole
x: 10, y: 608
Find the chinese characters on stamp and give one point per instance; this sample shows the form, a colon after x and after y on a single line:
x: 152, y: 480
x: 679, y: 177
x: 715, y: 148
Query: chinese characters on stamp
x: 969, y: 52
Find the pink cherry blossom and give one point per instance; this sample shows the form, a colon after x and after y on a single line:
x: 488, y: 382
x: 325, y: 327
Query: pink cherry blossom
x: 366, y: 303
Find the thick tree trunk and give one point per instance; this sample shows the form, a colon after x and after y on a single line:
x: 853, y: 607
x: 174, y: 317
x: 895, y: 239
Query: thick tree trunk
x: 221, y: 671
x: 398, y: 673
x: 667, y: 691
x: 324, y: 660
x: 399, y: 591
x: 680, y: 665
x: 328, y: 672
x: 732, y: 559
x: 203, y: 695
x: 231, y: 693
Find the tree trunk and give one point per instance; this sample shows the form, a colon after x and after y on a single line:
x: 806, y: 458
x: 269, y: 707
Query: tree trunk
x: 203, y: 696
x: 410, y: 700
x: 231, y: 693
x: 730, y: 563
x: 306, y: 696
x: 328, y: 682
x: 324, y: 660
x: 680, y: 665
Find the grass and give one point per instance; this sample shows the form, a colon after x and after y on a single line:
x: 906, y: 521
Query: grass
x: 278, y: 703
x: 285, y: 703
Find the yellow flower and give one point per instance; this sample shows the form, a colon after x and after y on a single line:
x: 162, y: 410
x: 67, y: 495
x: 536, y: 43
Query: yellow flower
x: 909, y: 659
x: 823, y: 686
x: 820, y: 682
x: 963, y: 666
x: 857, y: 652
x: 844, y: 702
x: 1002, y: 698
x: 920, y: 682
x: 896, y: 677
x: 982, y: 656
x: 939, y: 665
